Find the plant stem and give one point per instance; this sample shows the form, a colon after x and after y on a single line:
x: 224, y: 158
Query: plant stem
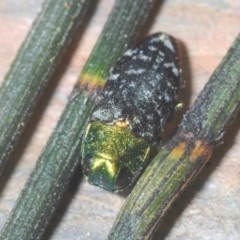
x: 33, y: 68
x: 200, y: 131
x: 61, y: 155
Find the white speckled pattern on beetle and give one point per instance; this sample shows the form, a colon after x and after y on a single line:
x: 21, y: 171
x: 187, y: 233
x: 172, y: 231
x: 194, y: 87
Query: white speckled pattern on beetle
x: 142, y: 88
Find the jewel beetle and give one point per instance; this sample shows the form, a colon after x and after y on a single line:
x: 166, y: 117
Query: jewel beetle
x: 130, y: 113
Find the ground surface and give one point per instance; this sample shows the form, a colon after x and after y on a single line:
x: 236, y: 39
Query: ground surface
x: 210, y: 207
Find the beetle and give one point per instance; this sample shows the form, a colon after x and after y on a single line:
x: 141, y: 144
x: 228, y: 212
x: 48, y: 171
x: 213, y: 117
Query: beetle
x: 130, y: 113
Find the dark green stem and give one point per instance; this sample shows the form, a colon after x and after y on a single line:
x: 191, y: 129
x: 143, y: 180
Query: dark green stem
x: 219, y: 101
x: 58, y: 160
x: 201, y: 129
x: 117, y: 35
x: 33, y: 67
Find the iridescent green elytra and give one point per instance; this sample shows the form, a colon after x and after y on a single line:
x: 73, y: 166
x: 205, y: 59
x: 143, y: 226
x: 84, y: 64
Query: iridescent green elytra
x: 112, y: 155
x: 130, y: 113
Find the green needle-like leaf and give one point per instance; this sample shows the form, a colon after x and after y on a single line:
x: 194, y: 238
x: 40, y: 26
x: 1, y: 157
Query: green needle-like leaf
x: 200, y: 131
x: 33, y: 67
x: 58, y: 160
